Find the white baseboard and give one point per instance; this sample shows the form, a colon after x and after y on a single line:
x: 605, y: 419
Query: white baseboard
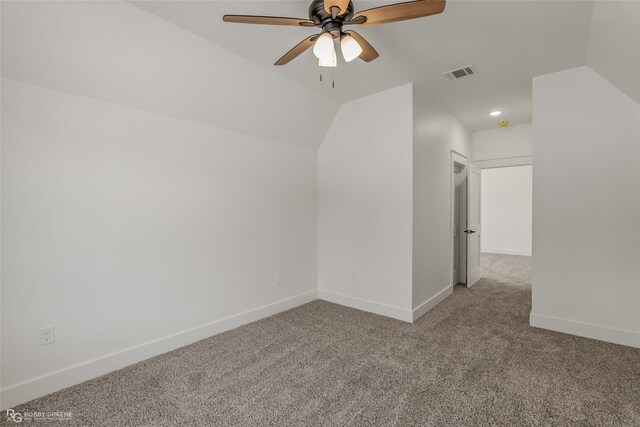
x: 587, y: 330
x: 505, y: 251
x: 49, y: 383
x: 366, y: 305
x: 422, y: 309
x: 36, y: 387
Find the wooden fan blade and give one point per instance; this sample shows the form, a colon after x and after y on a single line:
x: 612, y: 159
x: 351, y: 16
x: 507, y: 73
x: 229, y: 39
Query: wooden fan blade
x: 267, y: 20
x: 368, y: 52
x: 297, y: 50
x: 340, y: 4
x: 400, y: 11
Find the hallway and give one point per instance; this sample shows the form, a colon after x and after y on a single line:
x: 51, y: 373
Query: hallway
x: 507, y: 269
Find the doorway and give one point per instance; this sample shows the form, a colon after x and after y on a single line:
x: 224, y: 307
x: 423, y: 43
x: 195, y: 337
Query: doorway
x: 465, y: 221
x: 507, y: 205
x: 507, y: 210
x: 459, y: 271
x: 491, y: 229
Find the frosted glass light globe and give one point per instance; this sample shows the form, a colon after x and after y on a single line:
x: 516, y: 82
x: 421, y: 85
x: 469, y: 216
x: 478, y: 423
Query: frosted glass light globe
x: 332, y: 61
x: 323, y: 49
x: 351, y: 49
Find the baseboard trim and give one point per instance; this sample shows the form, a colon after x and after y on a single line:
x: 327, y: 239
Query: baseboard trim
x: 423, y: 308
x: 586, y: 330
x: 394, y: 312
x: 67, y: 377
x: 505, y: 251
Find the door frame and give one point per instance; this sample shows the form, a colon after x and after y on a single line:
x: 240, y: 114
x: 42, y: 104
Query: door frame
x: 459, y: 158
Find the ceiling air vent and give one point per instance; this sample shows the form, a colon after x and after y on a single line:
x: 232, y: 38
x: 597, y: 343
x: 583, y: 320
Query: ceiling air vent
x: 460, y: 73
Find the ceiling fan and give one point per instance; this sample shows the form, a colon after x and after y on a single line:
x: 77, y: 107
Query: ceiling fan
x: 331, y: 15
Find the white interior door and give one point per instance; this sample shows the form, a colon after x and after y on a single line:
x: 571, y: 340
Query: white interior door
x: 462, y: 225
x: 474, y: 262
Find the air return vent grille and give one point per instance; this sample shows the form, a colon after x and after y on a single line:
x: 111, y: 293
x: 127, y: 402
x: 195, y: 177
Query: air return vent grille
x: 460, y: 73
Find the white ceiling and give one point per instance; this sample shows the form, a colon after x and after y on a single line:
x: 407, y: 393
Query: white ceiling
x: 509, y: 42
x: 614, y: 45
x: 118, y: 53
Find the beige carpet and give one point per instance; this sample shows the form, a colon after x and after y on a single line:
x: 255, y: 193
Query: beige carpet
x: 473, y: 360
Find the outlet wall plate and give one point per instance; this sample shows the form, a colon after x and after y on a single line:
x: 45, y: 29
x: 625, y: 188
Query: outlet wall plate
x: 48, y: 335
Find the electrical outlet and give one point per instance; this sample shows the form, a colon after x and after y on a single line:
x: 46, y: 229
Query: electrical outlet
x: 48, y: 335
x: 277, y: 280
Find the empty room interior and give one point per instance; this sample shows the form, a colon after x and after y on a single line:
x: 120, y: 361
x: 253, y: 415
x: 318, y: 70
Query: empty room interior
x: 320, y: 212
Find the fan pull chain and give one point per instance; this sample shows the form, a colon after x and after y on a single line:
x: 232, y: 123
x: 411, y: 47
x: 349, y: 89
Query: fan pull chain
x: 333, y: 77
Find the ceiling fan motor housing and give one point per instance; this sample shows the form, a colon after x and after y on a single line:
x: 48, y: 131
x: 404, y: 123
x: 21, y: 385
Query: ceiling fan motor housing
x: 323, y: 19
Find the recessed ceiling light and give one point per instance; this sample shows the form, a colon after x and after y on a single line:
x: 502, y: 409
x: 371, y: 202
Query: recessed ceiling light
x: 495, y: 113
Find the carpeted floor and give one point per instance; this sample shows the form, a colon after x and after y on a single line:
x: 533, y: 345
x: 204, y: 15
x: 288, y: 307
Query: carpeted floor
x: 472, y: 360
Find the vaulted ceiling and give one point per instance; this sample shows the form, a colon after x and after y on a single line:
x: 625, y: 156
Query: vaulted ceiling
x: 509, y: 43
x: 118, y: 53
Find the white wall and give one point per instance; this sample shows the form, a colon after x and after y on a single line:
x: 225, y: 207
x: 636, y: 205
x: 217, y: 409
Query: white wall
x: 158, y: 193
x: 121, y: 227
x: 385, y: 203
x: 436, y: 133
x: 365, y: 204
x: 507, y: 146
x: 586, y: 217
x: 506, y: 206
x: 614, y: 44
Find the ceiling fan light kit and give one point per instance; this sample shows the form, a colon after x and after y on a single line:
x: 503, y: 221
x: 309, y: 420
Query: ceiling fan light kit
x: 351, y: 49
x: 324, y: 48
x: 331, y: 16
x: 330, y: 61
